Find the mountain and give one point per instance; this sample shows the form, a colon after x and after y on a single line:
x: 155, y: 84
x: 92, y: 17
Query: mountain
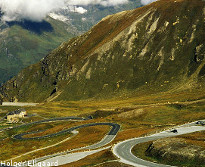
x: 25, y: 43
x: 158, y: 47
x: 92, y: 14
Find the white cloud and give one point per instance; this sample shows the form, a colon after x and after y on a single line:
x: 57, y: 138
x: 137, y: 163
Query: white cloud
x: 80, y: 10
x: 76, y: 9
x: 36, y: 10
x: 101, y: 2
x: 145, y: 2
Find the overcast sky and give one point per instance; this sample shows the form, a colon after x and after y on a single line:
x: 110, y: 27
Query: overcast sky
x: 36, y: 10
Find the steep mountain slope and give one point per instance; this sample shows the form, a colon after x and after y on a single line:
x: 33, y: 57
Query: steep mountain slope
x: 25, y: 43
x: 158, y: 47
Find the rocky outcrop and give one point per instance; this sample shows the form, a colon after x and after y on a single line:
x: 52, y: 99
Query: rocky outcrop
x: 175, y: 149
x: 154, y: 48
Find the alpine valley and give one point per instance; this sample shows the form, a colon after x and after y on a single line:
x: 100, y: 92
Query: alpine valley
x: 130, y: 88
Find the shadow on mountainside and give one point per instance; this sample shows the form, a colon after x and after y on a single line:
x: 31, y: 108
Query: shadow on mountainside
x: 36, y: 27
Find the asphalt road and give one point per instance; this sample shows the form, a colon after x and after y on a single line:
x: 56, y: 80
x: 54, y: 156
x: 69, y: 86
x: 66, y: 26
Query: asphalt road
x: 107, y: 139
x: 60, y: 157
x: 123, y: 149
x: 18, y: 104
x: 113, y: 131
x: 44, y: 121
x: 68, y: 156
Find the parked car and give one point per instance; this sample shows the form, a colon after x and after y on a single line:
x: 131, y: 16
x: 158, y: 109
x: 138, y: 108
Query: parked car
x: 174, y: 131
x: 200, y: 123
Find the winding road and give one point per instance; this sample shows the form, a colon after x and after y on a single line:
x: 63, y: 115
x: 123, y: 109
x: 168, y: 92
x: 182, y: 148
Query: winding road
x: 123, y: 150
x: 67, y: 157
x: 44, y: 121
x: 59, y: 156
x: 113, y: 131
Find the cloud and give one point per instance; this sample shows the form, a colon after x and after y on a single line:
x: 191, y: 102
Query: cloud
x: 101, y: 2
x: 76, y: 9
x: 34, y: 10
x: 37, y: 10
x: 145, y: 2
x: 80, y: 10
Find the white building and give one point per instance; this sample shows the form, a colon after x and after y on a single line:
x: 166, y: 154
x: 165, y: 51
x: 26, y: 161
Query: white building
x: 14, y: 116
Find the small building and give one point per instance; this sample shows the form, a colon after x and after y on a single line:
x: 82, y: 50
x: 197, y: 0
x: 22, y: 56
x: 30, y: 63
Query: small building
x: 14, y: 116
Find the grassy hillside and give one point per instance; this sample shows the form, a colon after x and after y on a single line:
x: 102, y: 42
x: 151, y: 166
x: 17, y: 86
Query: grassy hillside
x: 156, y: 48
x: 25, y: 43
x: 138, y: 116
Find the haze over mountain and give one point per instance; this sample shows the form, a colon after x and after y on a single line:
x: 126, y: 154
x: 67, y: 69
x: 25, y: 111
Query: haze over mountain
x: 27, y: 34
x: 159, y: 47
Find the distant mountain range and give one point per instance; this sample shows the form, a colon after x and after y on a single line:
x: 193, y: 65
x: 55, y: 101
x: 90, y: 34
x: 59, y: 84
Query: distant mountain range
x: 94, y: 13
x: 158, y: 47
